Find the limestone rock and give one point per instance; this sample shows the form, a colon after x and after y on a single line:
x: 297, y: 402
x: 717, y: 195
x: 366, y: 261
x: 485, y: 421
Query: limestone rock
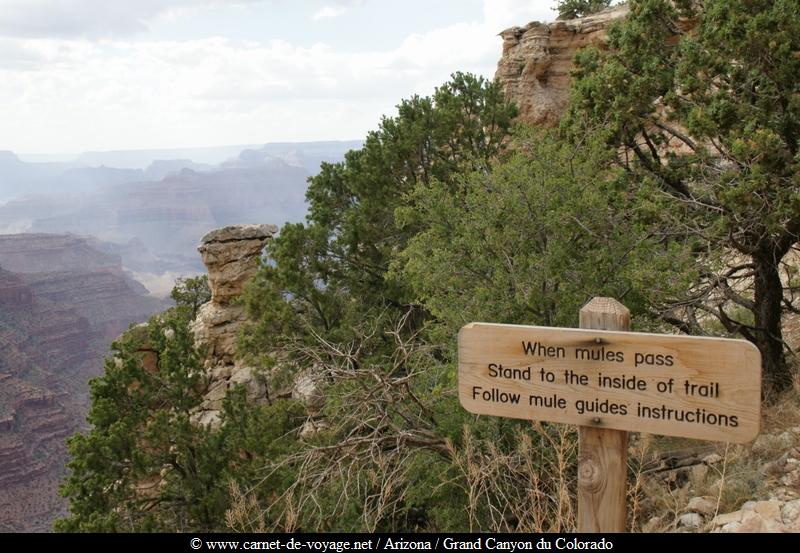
x: 537, y: 60
x: 712, y: 459
x: 247, y: 376
x: 311, y: 427
x: 790, y: 514
x: 216, y: 327
x: 231, y: 254
x: 236, y: 233
x: 217, y: 391
x: 702, y: 505
x: 784, y: 494
x: 727, y: 518
x: 791, y: 479
x: 759, y: 516
x: 754, y: 522
x: 691, y: 520
x: 766, y: 443
x: 221, y: 372
x: 306, y: 389
x: 731, y: 528
x: 212, y: 419
x: 536, y: 65
x: 766, y: 509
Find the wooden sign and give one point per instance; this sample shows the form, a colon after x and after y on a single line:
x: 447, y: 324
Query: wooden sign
x: 696, y: 387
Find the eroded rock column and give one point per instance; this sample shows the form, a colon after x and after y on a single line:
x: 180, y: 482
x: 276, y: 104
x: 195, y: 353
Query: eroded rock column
x: 231, y: 256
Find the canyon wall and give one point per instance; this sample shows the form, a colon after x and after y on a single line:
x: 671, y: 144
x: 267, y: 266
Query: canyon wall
x: 61, y: 304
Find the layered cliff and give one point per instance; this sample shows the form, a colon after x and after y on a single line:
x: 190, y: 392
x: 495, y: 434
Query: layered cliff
x: 537, y: 60
x: 61, y: 303
x: 41, y: 253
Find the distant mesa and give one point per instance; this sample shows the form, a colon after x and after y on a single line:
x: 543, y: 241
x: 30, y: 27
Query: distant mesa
x: 47, y: 253
x: 9, y: 158
x: 162, y: 168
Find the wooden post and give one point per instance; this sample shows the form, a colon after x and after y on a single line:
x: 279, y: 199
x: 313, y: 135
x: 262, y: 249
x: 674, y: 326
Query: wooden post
x: 603, y: 453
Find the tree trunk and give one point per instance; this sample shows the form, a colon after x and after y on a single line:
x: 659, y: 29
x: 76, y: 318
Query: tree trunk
x: 768, y: 336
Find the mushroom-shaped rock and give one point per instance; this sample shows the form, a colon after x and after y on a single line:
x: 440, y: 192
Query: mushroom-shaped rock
x: 231, y: 255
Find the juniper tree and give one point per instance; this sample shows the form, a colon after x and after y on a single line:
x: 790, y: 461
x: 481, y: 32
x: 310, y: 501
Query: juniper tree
x: 702, y: 100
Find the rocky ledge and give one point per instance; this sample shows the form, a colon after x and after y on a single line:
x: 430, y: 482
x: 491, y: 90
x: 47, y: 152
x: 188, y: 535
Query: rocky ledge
x: 537, y: 60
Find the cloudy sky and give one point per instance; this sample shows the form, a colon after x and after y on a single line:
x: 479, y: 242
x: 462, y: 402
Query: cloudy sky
x: 78, y: 75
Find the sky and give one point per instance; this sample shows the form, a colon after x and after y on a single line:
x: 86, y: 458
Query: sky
x: 88, y: 75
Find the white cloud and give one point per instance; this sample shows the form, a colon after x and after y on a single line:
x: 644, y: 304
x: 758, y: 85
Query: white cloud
x: 329, y: 12
x: 76, y: 94
x: 89, y: 18
x: 502, y: 14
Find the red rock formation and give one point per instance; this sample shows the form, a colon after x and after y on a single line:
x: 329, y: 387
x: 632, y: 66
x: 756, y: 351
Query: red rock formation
x: 13, y: 291
x: 55, y: 328
x: 41, y: 253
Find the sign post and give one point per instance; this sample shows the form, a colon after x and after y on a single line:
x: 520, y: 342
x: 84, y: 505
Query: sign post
x: 602, y: 452
x: 608, y: 382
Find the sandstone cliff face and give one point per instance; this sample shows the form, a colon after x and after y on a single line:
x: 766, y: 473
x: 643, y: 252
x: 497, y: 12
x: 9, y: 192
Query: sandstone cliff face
x: 231, y: 256
x: 61, y: 304
x: 537, y: 60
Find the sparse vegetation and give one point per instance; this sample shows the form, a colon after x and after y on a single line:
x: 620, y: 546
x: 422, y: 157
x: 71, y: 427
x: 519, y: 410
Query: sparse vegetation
x: 571, y: 9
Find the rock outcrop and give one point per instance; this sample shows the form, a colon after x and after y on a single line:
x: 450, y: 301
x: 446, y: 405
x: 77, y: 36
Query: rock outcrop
x: 760, y: 516
x: 231, y: 255
x: 778, y: 510
x: 773, y: 460
x: 537, y: 60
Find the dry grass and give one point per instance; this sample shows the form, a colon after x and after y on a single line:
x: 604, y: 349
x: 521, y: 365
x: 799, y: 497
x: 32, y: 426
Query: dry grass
x: 784, y: 413
x: 245, y: 514
x: 530, y: 489
x: 657, y: 499
x: 527, y: 487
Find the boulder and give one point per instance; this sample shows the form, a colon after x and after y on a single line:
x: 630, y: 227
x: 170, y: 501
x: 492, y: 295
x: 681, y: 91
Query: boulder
x: 702, y: 505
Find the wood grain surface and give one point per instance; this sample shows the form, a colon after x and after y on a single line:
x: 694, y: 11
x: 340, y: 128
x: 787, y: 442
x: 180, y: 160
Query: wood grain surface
x: 715, y: 390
